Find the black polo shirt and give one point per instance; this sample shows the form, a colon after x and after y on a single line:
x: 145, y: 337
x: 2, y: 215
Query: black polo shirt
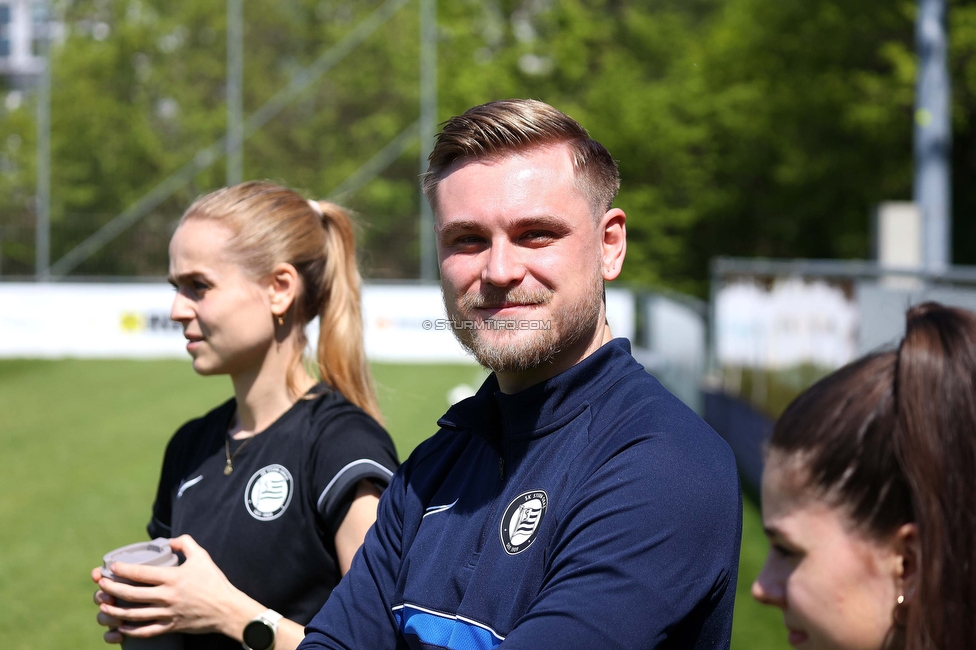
x: 270, y: 524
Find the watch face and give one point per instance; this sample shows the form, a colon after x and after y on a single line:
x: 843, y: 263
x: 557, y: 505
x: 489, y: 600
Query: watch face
x: 259, y: 635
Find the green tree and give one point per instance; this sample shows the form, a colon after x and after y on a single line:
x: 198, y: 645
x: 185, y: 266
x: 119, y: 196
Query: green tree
x: 742, y: 127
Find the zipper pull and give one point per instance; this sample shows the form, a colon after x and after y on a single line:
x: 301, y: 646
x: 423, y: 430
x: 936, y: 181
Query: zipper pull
x: 501, y: 468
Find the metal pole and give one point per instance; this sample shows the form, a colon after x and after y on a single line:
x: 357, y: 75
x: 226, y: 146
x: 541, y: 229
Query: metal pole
x: 235, y: 91
x: 711, y: 341
x: 428, y: 129
x: 933, y: 136
x: 375, y: 165
x: 42, y: 236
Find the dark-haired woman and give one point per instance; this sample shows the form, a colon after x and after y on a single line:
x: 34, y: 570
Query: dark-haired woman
x: 869, y: 497
x: 270, y: 494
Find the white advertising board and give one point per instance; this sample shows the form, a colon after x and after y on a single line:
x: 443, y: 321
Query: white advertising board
x: 402, y: 323
x: 409, y: 323
x: 88, y: 320
x: 792, y: 323
x: 621, y: 312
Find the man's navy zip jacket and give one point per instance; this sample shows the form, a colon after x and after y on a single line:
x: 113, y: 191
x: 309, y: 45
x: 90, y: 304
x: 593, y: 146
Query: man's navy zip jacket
x: 592, y: 510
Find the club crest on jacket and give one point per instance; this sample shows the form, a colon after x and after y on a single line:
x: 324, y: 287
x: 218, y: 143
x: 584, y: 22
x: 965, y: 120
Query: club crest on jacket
x: 521, y: 521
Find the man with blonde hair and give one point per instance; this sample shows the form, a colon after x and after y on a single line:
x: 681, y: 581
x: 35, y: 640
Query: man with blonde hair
x: 573, y: 502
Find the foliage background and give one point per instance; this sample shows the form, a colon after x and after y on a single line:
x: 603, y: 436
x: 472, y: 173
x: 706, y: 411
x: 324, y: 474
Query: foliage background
x: 743, y: 127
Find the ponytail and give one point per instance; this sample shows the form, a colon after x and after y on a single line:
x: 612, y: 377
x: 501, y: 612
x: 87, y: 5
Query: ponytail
x: 273, y: 224
x: 891, y: 438
x: 340, y: 351
x: 936, y: 447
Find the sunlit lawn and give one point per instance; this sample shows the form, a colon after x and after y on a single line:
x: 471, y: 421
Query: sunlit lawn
x: 81, y: 443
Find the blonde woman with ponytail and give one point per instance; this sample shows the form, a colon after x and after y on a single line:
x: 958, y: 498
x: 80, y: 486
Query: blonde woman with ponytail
x: 269, y: 495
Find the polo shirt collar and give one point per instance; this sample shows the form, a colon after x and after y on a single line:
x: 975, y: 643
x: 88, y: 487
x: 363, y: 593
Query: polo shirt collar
x: 546, y: 406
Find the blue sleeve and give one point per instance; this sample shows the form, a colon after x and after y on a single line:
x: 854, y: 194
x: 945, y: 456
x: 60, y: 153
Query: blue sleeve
x: 357, y: 614
x: 645, y: 557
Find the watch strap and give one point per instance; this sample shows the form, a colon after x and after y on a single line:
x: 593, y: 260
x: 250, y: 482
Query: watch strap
x: 270, y: 616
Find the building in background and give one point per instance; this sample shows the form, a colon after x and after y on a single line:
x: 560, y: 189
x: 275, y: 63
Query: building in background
x: 19, y: 32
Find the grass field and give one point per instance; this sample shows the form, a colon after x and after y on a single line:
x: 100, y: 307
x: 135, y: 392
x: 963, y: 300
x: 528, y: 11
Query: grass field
x: 81, y: 443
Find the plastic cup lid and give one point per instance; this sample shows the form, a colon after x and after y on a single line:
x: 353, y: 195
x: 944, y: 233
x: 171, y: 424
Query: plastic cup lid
x: 154, y: 553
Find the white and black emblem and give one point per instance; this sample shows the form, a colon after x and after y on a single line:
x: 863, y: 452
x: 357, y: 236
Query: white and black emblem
x: 522, y: 519
x: 268, y: 492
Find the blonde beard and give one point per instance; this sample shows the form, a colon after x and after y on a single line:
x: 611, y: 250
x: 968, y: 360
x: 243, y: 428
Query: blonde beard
x: 525, y: 349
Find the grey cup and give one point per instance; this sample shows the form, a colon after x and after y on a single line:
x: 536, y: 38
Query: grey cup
x: 154, y: 553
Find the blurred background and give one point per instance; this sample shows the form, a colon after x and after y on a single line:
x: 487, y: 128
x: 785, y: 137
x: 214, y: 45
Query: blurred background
x: 795, y: 173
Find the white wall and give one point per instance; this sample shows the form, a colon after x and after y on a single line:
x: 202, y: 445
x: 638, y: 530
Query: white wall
x: 132, y: 321
x: 791, y: 323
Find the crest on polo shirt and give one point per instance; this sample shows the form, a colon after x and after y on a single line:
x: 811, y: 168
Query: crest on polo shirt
x: 522, y: 519
x: 268, y: 492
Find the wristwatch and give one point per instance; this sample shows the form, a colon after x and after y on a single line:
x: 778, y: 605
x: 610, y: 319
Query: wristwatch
x: 259, y: 633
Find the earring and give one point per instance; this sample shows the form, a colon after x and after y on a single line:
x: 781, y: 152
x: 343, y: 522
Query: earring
x: 900, y: 613
x: 281, y: 321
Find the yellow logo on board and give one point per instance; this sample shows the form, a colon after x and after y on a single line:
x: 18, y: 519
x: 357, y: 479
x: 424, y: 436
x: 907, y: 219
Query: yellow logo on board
x: 132, y: 322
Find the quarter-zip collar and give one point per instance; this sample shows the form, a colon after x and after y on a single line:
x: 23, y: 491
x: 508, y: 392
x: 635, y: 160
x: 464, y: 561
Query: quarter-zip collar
x: 546, y: 406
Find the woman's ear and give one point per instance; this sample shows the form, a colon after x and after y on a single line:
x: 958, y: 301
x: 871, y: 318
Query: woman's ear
x: 283, y: 288
x: 907, y: 559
